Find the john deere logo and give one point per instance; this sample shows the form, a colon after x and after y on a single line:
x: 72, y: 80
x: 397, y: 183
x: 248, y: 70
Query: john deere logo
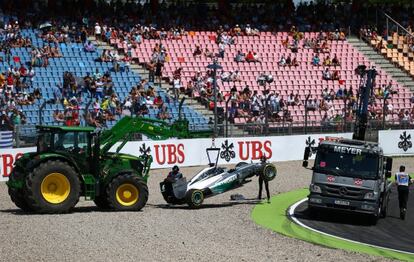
x: 405, y: 142
x: 227, y: 152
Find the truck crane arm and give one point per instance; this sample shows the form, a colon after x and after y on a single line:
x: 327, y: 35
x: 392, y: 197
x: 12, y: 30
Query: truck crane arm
x: 365, y: 95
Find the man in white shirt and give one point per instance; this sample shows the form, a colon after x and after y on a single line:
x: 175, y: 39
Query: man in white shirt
x: 403, y: 180
x: 98, y: 31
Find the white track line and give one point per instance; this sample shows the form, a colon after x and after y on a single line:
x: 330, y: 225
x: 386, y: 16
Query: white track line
x: 291, y: 213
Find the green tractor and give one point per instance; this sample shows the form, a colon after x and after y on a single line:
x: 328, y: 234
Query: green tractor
x: 71, y: 162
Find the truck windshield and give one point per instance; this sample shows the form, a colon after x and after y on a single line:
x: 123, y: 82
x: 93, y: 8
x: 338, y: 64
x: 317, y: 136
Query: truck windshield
x: 342, y: 164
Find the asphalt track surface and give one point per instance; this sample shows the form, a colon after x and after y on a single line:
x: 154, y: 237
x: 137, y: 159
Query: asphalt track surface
x: 391, y: 232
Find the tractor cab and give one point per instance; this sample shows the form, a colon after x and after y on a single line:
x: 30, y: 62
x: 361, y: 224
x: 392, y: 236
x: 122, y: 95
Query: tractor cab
x: 72, y: 142
x: 64, y: 139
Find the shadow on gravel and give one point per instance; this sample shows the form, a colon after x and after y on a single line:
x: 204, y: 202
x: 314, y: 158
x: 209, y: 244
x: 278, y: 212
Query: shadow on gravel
x: 87, y: 209
x: 336, y: 217
x: 207, y: 206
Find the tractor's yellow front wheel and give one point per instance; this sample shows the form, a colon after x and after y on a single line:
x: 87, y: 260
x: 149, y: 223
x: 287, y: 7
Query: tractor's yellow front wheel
x: 127, y: 192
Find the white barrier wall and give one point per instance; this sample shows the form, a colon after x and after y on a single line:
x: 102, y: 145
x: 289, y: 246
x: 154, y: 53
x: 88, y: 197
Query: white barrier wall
x: 192, y: 152
x: 396, y: 142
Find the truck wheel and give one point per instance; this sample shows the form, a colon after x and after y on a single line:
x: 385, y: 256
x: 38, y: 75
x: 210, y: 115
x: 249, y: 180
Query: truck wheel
x: 384, y: 207
x: 52, y: 187
x: 127, y: 192
x: 373, y: 219
x: 195, y: 198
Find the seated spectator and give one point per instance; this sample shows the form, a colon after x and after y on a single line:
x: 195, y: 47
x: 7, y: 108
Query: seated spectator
x: 256, y: 103
x: 197, y: 52
x: 287, y: 117
x: 104, y: 57
x: 294, y: 62
x: 158, y: 102
x: 379, y: 93
x: 327, y: 61
x: 285, y: 43
x: 335, y: 61
x: 336, y: 75
x: 315, y: 60
x: 177, y: 73
x: 288, y: 61
x: 250, y: 57
x: 323, y: 105
x: 297, y: 100
x: 325, y: 94
x: 248, y: 30
x: 291, y: 100
x: 340, y: 93
x: 208, y: 53
x: 127, y: 62
x: 312, y: 105
x: 58, y: 116
x: 325, y: 120
x: 189, y: 89
x: 235, y: 76
x: 225, y: 76
x: 325, y: 47
x: 389, y: 88
x: 307, y: 43
x: 282, y: 61
x: 240, y: 57
x: 163, y: 113
x: 326, y: 75
x: 331, y: 95
x: 237, y: 30
x: 89, y: 47
x: 142, y: 109
x: 294, y: 47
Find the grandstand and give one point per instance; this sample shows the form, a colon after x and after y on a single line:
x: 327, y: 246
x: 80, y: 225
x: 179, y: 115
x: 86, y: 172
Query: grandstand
x: 79, y: 62
x: 270, y: 41
x: 302, y: 79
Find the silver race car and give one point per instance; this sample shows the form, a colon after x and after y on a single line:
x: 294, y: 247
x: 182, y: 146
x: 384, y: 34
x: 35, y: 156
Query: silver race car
x: 212, y: 181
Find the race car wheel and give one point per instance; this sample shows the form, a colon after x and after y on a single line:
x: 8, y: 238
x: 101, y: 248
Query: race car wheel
x: 269, y: 172
x: 240, y: 164
x: 195, y: 198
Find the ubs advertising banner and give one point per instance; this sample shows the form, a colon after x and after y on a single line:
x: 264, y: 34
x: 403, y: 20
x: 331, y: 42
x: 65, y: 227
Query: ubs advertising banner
x: 192, y: 152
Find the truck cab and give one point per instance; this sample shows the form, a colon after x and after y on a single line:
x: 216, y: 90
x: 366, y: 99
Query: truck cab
x: 350, y: 175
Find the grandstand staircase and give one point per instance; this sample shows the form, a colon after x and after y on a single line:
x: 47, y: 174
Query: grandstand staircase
x: 192, y: 103
x: 397, y: 74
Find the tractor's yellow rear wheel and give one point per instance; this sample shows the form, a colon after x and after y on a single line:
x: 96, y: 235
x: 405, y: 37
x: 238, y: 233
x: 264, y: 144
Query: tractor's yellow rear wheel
x: 127, y: 192
x: 55, y: 188
x: 52, y: 187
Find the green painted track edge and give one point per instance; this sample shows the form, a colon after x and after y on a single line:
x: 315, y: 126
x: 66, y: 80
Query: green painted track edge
x: 274, y: 216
